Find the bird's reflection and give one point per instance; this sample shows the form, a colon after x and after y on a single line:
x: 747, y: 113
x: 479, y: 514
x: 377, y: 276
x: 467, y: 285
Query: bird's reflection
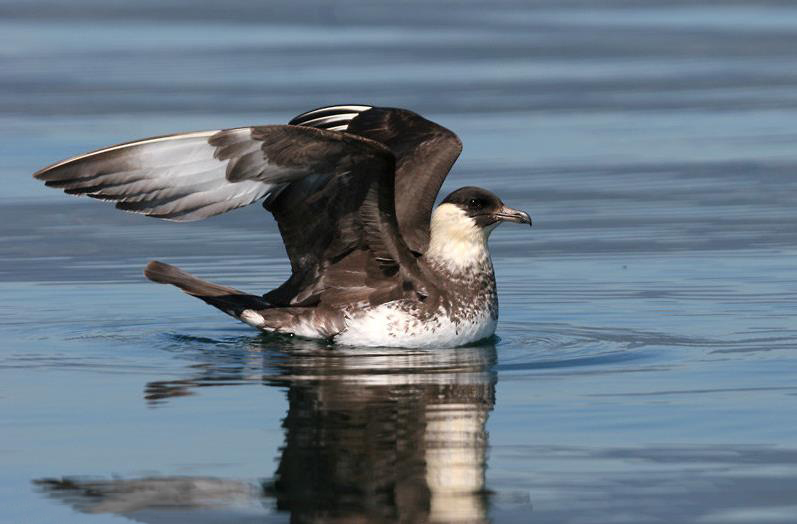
x: 370, y: 436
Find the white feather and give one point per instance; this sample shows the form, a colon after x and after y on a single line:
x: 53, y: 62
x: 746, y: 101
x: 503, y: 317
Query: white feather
x: 456, y: 241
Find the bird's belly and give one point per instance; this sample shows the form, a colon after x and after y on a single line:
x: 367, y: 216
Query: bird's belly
x: 401, y: 324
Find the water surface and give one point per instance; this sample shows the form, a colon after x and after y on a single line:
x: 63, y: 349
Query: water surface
x: 644, y: 364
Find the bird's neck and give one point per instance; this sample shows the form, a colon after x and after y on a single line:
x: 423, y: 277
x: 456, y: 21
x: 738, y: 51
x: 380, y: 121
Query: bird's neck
x: 456, y: 243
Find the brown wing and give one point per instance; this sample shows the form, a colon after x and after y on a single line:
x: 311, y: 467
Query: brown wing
x: 341, y: 234
x: 332, y: 192
x: 424, y: 151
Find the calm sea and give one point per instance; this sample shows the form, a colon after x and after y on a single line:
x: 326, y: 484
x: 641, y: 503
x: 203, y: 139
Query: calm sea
x: 645, y: 364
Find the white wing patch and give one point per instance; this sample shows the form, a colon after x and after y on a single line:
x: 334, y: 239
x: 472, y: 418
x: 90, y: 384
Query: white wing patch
x: 176, y: 177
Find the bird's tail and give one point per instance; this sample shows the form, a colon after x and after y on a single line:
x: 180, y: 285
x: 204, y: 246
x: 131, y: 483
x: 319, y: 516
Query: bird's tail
x: 231, y: 301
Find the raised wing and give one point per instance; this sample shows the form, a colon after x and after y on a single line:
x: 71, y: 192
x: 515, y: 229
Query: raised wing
x: 190, y: 176
x: 424, y: 151
x: 347, y: 182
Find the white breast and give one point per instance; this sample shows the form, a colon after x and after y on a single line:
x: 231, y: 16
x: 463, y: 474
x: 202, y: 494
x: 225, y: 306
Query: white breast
x: 397, y: 324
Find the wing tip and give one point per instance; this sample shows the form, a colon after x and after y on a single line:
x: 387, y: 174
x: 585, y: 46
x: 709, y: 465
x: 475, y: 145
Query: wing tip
x: 46, y: 173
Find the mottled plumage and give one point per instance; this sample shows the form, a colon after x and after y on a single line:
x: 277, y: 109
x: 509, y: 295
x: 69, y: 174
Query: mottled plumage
x: 352, y: 189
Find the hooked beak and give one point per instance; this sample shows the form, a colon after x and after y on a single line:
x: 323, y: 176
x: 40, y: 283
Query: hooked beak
x: 507, y: 214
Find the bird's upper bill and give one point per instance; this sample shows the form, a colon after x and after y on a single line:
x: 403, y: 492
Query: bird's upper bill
x: 507, y: 214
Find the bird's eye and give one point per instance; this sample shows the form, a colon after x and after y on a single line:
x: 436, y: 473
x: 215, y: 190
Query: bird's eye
x: 475, y: 203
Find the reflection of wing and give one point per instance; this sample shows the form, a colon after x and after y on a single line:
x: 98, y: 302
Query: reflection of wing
x: 161, y: 500
x: 425, y: 152
x: 387, y: 436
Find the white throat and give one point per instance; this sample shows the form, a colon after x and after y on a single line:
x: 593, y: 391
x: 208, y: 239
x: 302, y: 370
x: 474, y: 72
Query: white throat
x: 456, y: 241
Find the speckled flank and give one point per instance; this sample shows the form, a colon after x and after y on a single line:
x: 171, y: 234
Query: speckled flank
x: 467, y: 313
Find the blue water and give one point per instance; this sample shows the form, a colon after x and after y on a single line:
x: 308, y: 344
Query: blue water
x: 645, y: 364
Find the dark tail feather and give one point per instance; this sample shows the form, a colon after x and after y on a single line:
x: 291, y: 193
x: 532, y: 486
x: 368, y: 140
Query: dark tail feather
x: 227, y: 299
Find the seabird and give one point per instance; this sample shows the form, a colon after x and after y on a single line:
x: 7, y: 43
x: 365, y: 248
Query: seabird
x: 352, y: 188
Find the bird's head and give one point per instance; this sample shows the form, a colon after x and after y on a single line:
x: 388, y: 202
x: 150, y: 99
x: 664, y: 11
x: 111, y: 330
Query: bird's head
x: 462, y: 223
x: 484, y: 209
